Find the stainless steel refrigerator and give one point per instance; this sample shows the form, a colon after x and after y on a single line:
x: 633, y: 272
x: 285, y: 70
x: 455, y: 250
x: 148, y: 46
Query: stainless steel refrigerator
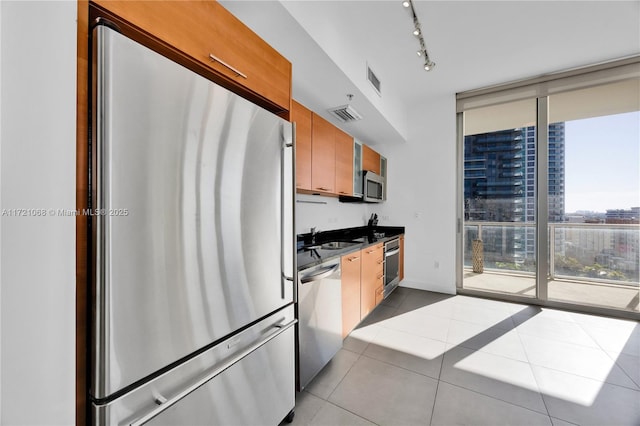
x: 193, y: 247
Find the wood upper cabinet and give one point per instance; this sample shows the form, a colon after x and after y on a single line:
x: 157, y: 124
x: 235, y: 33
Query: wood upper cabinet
x: 323, y: 155
x: 371, y: 277
x: 401, y: 258
x: 350, y: 265
x: 191, y: 32
x: 302, y: 117
x: 344, y: 163
x: 370, y: 160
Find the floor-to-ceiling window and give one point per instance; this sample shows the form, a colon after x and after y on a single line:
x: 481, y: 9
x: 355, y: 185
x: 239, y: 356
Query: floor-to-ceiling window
x: 499, y: 203
x: 553, y: 215
x: 594, y: 195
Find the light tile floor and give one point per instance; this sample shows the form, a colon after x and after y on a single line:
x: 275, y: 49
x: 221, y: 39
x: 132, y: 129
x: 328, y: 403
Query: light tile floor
x: 423, y: 358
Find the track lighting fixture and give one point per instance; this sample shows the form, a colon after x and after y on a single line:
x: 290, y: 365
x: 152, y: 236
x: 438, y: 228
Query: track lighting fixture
x: 428, y: 63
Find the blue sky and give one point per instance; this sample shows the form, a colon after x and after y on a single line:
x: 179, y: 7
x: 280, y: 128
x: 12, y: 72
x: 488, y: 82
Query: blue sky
x: 602, y: 163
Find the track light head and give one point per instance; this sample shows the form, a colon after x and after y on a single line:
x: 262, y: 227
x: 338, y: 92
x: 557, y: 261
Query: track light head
x: 416, y: 32
x: 429, y: 65
x: 406, y: 3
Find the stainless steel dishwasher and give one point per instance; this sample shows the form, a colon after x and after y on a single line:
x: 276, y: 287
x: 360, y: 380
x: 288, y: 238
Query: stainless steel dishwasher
x: 319, y: 318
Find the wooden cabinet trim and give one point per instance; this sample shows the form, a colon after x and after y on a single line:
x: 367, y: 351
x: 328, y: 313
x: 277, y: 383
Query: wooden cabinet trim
x: 323, y: 155
x: 82, y: 223
x: 351, y: 292
x: 370, y: 159
x: 344, y: 163
x: 302, y: 118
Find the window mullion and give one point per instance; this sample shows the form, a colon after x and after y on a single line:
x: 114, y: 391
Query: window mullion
x: 542, y: 198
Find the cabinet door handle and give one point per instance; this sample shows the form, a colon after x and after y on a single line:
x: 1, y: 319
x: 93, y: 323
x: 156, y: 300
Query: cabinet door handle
x: 380, y: 262
x: 223, y: 63
x: 351, y: 259
x: 380, y: 276
x: 322, y: 188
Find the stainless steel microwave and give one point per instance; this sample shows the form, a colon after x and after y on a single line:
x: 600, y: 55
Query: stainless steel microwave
x: 373, y: 190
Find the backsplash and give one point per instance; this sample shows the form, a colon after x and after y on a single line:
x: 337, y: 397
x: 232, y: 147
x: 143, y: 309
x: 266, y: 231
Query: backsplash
x: 325, y: 213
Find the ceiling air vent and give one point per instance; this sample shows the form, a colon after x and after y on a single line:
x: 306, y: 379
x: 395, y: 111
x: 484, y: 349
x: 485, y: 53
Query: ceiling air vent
x: 345, y: 113
x: 375, y: 82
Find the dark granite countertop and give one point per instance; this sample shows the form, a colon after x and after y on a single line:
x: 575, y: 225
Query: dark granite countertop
x: 360, y: 238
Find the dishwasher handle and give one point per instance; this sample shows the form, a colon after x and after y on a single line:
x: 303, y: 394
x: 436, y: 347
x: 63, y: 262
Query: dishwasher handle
x: 391, y: 252
x: 320, y: 274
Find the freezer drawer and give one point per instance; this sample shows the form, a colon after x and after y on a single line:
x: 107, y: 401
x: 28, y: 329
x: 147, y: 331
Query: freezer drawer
x: 245, y: 380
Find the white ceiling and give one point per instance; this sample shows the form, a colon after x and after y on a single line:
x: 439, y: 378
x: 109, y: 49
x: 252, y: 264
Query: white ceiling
x: 474, y: 44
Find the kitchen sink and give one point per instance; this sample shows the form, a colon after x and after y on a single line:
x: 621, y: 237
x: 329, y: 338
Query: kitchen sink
x: 337, y: 245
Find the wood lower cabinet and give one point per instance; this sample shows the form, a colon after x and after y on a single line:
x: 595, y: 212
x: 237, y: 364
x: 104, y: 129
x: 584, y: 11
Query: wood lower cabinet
x: 344, y: 163
x: 371, y: 277
x: 363, y: 283
x: 302, y: 117
x: 205, y: 35
x: 323, y: 155
x: 370, y: 160
x: 350, y: 264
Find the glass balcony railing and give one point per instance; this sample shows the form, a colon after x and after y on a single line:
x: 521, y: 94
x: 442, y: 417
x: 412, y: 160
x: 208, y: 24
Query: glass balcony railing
x: 599, y: 253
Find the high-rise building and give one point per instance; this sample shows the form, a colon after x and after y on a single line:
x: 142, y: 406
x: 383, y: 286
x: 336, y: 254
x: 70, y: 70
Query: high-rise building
x: 494, y: 181
x: 500, y: 185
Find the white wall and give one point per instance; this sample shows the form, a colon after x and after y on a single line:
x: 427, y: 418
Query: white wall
x: 326, y: 213
x: 37, y: 171
x: 421, y: 195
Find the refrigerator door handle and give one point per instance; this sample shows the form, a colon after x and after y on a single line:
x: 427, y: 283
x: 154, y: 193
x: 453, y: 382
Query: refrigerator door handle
x: 288, y: 199
x: 164, y: 404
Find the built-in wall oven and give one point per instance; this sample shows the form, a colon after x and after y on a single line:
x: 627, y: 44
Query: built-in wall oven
x: 391, y: 266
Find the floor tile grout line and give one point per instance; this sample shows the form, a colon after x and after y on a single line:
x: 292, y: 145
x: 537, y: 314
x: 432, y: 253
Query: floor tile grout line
x: 349, y: 411
x: 474, y: 350
x: 343, y: 377
x: 615, y: 361
x: 585, y: 377
x: 483, y: 324
x: 560, y: 340
x: 435, y: 396
x: 499, y: 399
x: 403, y: 368
x: 600, y: 348
x: 535, y: 379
